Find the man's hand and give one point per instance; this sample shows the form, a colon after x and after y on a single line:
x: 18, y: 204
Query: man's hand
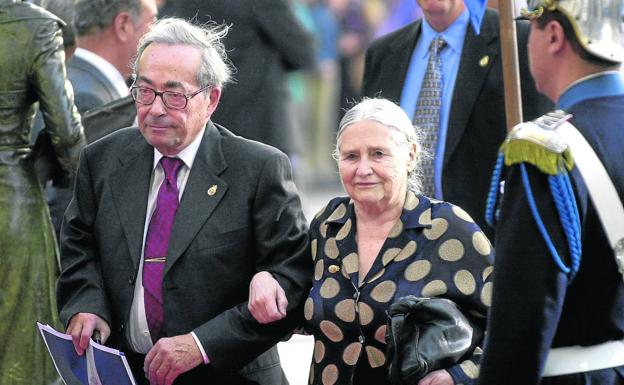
x: 171, y: 357
x: 267, y: 300
x: 81, y: 328
x: 437, y: 377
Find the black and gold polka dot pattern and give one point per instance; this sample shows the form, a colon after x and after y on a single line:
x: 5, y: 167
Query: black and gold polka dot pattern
x: 434, y: 250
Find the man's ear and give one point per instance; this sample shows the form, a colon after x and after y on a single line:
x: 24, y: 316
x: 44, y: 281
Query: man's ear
x: 556, y: 37
x: 123, y: 26
x: 215, y: 96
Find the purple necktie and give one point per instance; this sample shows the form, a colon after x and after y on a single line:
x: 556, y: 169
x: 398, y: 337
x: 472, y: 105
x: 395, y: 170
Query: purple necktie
x: 157, y: 244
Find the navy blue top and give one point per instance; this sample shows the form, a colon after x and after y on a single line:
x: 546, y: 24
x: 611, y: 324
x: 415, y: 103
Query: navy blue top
x: 434, y: 250
x: 534, y: 305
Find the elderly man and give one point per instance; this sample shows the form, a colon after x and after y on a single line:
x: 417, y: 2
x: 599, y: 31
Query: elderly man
x: 170, y: 221
x: 557, y: 313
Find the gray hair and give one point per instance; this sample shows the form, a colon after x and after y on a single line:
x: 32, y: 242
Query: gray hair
x: 215, y: 68
x: 92, y: 15
x: 401, y: 128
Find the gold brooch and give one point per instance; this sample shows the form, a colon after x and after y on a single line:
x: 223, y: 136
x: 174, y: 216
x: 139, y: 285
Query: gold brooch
x: 485, y: 60
x: 333, y: 269
x: 212, y: 190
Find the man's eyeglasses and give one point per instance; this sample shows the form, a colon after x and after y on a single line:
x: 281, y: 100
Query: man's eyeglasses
x: 171, y: 99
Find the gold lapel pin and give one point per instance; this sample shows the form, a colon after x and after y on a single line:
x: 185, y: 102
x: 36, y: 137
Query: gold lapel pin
x: 333, y: 269
x: 485, y: 60
x: 212, y: 190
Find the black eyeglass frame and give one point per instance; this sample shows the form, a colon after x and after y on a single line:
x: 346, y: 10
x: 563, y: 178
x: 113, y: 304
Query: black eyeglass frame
x: 187, y: 97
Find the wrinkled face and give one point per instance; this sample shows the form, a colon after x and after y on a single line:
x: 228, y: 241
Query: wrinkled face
x: 173, y: 68
x: 373, y: 167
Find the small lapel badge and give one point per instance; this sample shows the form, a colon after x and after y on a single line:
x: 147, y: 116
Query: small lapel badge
x: 333, y: 269
x: 485, y: 60
x: 212, y: 190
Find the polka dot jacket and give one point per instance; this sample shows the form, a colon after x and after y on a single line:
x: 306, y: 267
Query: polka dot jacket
x: 434, y: 250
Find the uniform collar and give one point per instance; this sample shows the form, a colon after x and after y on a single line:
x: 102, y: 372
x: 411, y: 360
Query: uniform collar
x: 601, y: 84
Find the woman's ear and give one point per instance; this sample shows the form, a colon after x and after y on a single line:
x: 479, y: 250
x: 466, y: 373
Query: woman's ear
x: 412, y: 156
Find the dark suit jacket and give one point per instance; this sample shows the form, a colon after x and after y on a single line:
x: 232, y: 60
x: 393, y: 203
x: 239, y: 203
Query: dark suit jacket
x: 477, y: 123
x: 535, y: 306
x: 91, y: 87
x: 265, y: 42
x: 253, y: 222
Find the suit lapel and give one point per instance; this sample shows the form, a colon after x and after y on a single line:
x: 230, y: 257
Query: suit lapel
x: 470, y: 78
x: 203, y: 192
x: 98, y: 75
x: 398, y: 63
x: 130, y: 199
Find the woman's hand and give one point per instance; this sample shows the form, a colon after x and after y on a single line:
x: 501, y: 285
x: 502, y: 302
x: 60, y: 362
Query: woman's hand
x: 267, y: 300
x: 437, y: 377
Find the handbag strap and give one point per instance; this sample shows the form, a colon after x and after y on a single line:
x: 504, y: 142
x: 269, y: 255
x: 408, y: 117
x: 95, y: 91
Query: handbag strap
x: 601, y: 189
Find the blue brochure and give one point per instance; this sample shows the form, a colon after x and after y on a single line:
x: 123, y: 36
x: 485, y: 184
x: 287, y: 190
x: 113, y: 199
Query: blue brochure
x: 100, y: 365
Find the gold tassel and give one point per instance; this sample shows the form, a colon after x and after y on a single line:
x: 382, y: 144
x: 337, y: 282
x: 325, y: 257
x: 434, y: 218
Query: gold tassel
x: 548, y: 162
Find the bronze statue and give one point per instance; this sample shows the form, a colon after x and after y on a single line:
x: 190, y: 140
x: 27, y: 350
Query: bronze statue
x: 33, y: 70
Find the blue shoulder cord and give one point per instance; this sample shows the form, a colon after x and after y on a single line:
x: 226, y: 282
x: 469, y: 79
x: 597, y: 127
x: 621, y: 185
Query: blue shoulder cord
x: 490, y: 205
x: 564, y: 200
x: 563, y: 196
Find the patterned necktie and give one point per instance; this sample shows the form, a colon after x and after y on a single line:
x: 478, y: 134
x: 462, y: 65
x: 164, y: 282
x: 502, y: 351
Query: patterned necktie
x: 427, y: 115
x: 157, y: 244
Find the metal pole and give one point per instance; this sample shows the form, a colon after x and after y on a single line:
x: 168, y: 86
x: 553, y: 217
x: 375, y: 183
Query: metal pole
x: 511, y: 72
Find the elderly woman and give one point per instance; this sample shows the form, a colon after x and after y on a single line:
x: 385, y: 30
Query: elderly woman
x: 380, y: 243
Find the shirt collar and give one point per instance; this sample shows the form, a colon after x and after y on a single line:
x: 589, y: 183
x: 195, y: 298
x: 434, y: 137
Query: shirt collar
x: 107, y: 69
x: 601, y: 84
x: 187, y: 154
x: 453, y: 35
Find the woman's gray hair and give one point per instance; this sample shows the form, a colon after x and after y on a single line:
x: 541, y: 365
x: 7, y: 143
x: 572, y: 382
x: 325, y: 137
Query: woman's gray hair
x: 401, y: 128
x: 215, y: 69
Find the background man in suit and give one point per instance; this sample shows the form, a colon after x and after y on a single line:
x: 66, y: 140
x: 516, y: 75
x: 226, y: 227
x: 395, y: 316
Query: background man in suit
x: 553, y: 322
x: 108, y: 32
x: 472, y: 114
x: 265, y: 43
x: 161, y: 260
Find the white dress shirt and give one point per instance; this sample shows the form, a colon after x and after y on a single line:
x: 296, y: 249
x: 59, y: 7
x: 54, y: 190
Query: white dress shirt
x: 138, y: 331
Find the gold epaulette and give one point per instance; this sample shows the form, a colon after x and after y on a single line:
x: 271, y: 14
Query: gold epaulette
x: 538, y: 143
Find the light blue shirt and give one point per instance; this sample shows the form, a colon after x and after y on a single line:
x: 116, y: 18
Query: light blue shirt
x: 454, y: 37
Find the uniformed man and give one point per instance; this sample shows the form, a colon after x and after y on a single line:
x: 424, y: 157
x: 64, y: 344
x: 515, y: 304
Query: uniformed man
x: 557, y: 313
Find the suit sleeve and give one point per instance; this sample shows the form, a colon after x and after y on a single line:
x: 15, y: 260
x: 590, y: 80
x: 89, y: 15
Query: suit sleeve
x: 278, y: 23
x: 528, y: 290
x: 282, y: 247
x: 80, y: 287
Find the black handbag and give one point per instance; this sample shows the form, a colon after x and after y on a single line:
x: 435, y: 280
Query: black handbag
x: 426, y: 334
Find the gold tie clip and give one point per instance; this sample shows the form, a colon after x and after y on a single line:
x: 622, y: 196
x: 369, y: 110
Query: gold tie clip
x: 157, y: 259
